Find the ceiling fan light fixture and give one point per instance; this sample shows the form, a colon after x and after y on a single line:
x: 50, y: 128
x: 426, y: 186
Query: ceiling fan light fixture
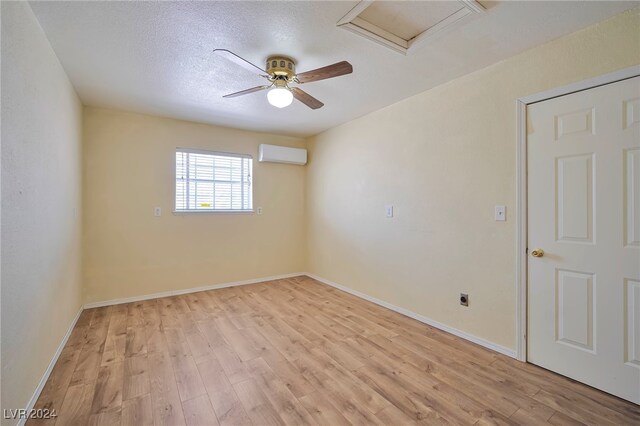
x: 280, y: 97
x: 280, y: 71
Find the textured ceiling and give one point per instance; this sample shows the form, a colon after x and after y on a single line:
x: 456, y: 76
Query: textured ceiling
x: 155, y: 57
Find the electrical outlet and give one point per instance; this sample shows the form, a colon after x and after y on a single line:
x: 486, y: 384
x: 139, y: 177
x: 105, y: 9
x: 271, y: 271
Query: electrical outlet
x: 259, y: 210
x: 157, y: 211
x: 464, y: 299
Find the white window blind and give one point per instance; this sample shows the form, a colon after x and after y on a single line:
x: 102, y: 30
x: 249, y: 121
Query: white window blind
x: 212, y: 181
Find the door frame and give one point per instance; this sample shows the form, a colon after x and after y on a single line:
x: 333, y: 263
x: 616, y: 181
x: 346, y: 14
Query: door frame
x: 521, y: 188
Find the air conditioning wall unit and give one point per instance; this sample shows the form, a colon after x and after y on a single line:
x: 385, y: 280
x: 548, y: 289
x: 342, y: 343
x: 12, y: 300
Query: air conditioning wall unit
x: 281, y: 154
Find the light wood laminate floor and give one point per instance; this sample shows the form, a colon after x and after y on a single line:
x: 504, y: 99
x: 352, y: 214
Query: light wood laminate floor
x: 296, y: 352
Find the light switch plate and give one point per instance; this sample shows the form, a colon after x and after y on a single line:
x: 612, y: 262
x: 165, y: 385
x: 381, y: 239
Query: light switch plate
x: 501, y: 213
x: 388, y: 209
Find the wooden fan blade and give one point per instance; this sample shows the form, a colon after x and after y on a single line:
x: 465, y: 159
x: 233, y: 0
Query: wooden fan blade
x: 229, y: 55
x: 246, y: 92
x: 330, y: 71
x: 306, y: 98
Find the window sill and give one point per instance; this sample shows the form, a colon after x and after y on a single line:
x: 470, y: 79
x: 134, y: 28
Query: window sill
x: 180, y: 212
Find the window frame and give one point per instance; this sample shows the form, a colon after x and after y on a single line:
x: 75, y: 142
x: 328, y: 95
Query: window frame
x: 209, y: 211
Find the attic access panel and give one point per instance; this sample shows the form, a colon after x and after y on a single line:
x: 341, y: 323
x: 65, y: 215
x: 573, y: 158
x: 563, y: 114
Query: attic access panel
x: 402, y: 25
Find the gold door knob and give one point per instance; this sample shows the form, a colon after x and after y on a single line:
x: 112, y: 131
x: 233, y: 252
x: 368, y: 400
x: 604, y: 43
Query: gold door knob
x: 537, y: 252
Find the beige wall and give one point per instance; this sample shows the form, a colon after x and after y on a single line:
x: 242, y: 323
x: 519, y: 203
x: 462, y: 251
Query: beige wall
x: 41, y: 163
x: 443, y: 158
x: 129, y: 169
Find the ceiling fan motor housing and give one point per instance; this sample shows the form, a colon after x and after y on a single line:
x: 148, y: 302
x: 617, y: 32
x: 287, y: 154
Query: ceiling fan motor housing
x: 281, y: 66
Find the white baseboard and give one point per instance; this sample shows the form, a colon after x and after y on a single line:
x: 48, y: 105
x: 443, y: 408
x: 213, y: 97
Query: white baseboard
x: 188, y: 290
x: 470, y: 337
x: 47, y: 373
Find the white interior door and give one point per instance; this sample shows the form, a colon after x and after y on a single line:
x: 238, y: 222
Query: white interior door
x: 583, y: 177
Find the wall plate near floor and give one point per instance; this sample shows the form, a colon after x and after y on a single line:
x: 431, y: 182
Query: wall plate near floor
x: 464, y: 299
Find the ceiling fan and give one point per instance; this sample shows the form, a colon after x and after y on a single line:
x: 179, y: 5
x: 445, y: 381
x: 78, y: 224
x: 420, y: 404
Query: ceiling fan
x: 281, y: 71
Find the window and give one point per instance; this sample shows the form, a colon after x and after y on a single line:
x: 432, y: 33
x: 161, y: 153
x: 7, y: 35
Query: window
x: 213, y: 181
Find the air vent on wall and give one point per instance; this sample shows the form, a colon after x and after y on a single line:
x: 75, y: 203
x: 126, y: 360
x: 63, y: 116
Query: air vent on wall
x: 403, y: 25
